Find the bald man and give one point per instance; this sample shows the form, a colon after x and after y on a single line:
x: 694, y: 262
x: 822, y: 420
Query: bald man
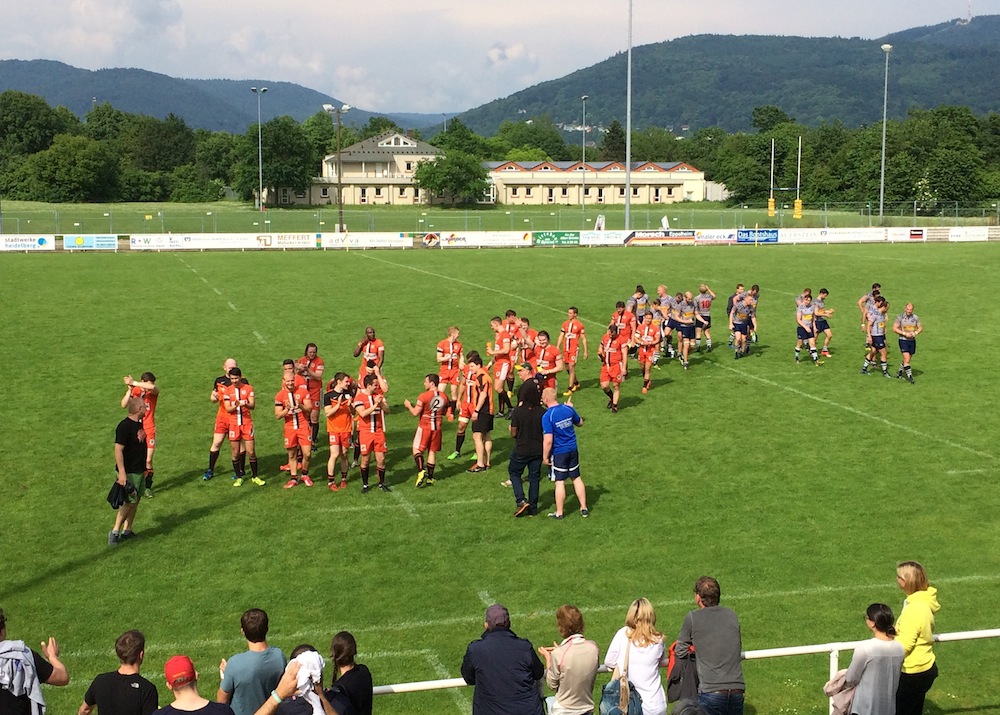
x: 221, y: 417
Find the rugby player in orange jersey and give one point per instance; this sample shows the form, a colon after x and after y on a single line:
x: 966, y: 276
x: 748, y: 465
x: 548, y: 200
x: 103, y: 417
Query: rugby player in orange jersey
x: 450, y: 364
x: 221, y: 417
x: 524, y: 338
x: 501, y: 351
x: 310, y: 366
x: 368, y: 349
x: 339, y: 424
x: 613, y: 352
x: 429, y: 407
x: 293, y: 404
x: 370, y: 406
x: 290, y: 370
x: 548, y: 361
x: 647, y: 337
x: 482, y: 415
x: 624, y: 320
x: 513, y: 325
x: 467, y: 403
x: 238, y: 400
x: 571, y: 334
x: 146, y: 389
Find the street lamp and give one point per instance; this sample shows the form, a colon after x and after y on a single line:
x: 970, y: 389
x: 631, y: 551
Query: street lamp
x: 886, y: 48
x: 628, y: 127
x: 260, y: 151
x: 583, y: 157
x: 337, y: 111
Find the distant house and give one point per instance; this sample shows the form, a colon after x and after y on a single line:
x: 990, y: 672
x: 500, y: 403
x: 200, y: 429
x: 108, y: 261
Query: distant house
x: 600, y: 182
x: 379, y: 171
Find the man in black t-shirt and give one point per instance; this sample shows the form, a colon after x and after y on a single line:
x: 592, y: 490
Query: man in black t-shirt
x: 130, y: 462
x: 526, y: 429
x: 22, y: 671
x: 123, y: 691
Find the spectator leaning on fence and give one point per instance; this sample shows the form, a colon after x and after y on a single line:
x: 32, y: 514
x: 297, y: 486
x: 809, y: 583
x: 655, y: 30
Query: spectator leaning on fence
x: 22, y: 671
x: 571, y: 666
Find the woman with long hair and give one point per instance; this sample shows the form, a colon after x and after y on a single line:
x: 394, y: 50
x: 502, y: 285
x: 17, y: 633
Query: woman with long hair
x: 915, y: 631
x: 646, y: 655
x: 874, y: 669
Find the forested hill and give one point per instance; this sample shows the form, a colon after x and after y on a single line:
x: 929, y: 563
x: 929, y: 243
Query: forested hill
x: 708, y: 80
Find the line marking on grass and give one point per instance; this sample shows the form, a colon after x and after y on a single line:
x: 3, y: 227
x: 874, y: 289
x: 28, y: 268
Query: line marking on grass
x: 484, y: 596
x: 406, y: 504
x: 204, y: 280
x: 968, y: 471
x: 217, y: 291
x: 380, y: 505
x: 259, y: 337
x: 231, y: 305
x: 856, y: 411
x: 459, y: 696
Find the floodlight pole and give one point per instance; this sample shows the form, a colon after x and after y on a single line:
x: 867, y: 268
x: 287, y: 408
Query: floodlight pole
x: 336, y: 112
x: 886, y: 48
x: 260, y: 151
x: 583, y: 160
x: 628, y: 127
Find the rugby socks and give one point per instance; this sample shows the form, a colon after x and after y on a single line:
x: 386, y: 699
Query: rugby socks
x: 315, y: 432
x: 504, y: 402
x: 708, y: 344
x: 908, y: 371
x: 797, y: 351
x: 419, y: 459
x: 381, y: 475
x: 213, y: 457
x: 864, y: 368
x: 236, y: 468
x: 459, y: 441
x: 609, y: 392
x: 253, y: 466
x: 243, y: 463
x: 813, y: 354
x: 430, y: 471
x: 357, y: 451
x: 364, y: 476
x: 885, y: 368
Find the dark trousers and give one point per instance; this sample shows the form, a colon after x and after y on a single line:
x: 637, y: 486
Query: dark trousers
x: 516, y: 468
x: 913, y: 689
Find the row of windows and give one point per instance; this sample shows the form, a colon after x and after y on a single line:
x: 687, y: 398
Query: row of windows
x: 600, y: 191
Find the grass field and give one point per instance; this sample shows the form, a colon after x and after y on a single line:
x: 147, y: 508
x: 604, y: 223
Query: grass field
x: 799, y: 488
x: 233, y: 217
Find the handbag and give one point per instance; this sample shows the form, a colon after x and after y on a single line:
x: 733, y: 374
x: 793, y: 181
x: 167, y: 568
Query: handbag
x: 619, y: 696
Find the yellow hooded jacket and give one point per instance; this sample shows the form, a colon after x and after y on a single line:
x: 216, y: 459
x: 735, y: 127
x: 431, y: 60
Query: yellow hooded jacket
x: 915, y: 630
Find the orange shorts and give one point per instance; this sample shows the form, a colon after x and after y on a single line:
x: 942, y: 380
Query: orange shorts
x: 612, y: 373
x: 301, y: 437
x: 238, y: 432
x: 548, y: 381
x: 570, y: 358
x: 501, y: 369
x: 448, y: 377
x: 372, y: 442
x: 465, y: 412
x: 645, y: 354
x: 221, y: 423
x: 340, y: 439
x: 427, y: 440
x: 150, y: 438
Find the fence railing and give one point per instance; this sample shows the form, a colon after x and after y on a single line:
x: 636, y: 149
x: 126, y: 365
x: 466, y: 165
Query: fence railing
x: 833, y: 649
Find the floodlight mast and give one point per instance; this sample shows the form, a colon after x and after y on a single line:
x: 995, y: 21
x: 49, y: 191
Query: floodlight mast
x: 886, y: 48
x: 337, y: 111
x: 583, y: 161
x: 260, y: 150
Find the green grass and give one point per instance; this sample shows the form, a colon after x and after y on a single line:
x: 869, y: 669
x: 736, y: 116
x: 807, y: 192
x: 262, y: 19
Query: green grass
x: 232, y: 217
x: 799, y: 488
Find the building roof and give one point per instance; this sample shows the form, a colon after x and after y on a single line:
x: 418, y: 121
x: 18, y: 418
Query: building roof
x: 384, y: 147
x: 591, y: 166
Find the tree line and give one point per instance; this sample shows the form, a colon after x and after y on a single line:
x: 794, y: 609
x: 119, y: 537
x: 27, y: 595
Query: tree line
x: 945, y: 154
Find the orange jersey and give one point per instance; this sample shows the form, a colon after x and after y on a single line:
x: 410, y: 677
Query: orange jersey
x: 314, y: 385
x: 451, y: 350
x: 545, y: 358
x: 524, y: 353
x: 238, y: 392
x: 572, y: 331
x: 647, y: 335
x: 373, y: 423
x: 481, y: 383
x: 372, y: 350
x: 432, y: 406
x: 293, y: 398
x: 218, y: 387
x: 469, y: 383
x: 624, y: 320
x: 149, y: 400
x: 611, y: 349
x: 502, y: 342
x: 340, y: 420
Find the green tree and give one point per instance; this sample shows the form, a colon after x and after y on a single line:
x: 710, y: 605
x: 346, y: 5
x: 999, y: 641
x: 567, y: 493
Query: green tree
x: 73, y: 168
x: 526, y: 154
x: 287, y: 157
x: 189, y: 185
x: 460, y: 138
x: 612, y: 147
x: 105, y: 123
x: 27, y: 124
x: 321, y: 132
x: 655, y: 144
x: 378, y: 125
x: 455, y: 177
x: 766, y: 118
x: 159, y: 145
x: 215, y: 154
x: 535, y: 133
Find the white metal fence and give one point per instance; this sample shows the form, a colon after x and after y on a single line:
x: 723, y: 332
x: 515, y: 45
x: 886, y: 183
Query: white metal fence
x: 833, y: 649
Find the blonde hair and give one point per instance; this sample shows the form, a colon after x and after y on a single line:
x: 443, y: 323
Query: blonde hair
x: 913, y: 576
x: 640, y: 623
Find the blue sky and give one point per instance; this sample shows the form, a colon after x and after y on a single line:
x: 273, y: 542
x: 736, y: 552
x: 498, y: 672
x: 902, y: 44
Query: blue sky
x: 420, y: 55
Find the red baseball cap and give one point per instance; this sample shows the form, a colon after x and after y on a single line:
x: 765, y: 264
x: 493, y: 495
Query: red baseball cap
x: 179, y: 670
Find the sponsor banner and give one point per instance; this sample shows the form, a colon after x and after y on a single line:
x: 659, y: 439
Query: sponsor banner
x: 27, y: 242
x: 90, y: 243
x: 902, y: 235
x: 831, y: 235
x: 221, y: 241
x: 757, y: 235
x: 485, y: 239
x: 661, y: 237
x: 557, y: 238
x: 603, y: 238
x: 715, y: 237
x: 348, y: 241
x: 963, y: 234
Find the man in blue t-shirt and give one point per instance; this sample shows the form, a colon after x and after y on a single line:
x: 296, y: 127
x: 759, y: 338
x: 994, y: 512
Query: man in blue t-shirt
x: 559, y: 449
x: 248, y: 678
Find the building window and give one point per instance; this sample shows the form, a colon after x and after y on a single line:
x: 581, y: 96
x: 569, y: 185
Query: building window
x: 621, y: 191
x: 402, y: 191
x: 416, y: 193
x: 600, y: 196
x: 656, y: 195
x: 527, y: 191
x: 565, y: 191
x: 670, y: 191
x: 635, y: 191
x: 324, y: 192
x: 364, y: 195
x: 378, y: 192
x: 409, y: 166
x: 513, y: 191
x: 284, y: 196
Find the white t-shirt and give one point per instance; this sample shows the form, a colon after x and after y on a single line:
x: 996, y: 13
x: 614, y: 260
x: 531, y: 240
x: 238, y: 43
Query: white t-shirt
x: 644, y: 665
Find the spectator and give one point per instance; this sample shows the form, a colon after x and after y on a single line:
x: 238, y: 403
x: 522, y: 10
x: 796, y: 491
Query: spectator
x: 571, y: 666
x: 182, y: 681
x: 874, y: 669
x: 308, y: 696
x: 641, y: 645
x: 526, y: 429
x: 248, y: 677
x: 22, y: 671
x: 351, y: 679
x: 504, y: 669
x: 123, y: 691
x: 713, y: 632
x: 915, y: 630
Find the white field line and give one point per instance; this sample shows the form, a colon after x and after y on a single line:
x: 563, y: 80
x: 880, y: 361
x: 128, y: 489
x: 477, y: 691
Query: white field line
x: 230, y: 303
x: 855, y: 411
x: 459, y: 696
x: 484, y: 596
x: 259, y: 337
x: 204, y: 280
x: 475, y: 619
x: 968, y: 471
x: 405, y: 503
x: 217, y: 291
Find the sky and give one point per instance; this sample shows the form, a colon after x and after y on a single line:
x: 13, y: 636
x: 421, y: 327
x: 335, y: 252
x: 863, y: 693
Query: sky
x: 430, y: 56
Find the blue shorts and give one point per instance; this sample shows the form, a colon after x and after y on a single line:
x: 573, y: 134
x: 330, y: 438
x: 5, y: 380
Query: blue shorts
x: 908, y: 345
x: 878, y: 341
x: 707, y: 324
x: 805, y: 334
x: 741, y: 328
x: 687, y: 332
x: 565, y: 466
x: 821, y: 326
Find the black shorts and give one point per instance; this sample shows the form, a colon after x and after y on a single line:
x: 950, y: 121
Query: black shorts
x: 878, y: 341
x: 821, y: 326
x: 707, y: 324
x: 908, y: 345
x: 483, y: 423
